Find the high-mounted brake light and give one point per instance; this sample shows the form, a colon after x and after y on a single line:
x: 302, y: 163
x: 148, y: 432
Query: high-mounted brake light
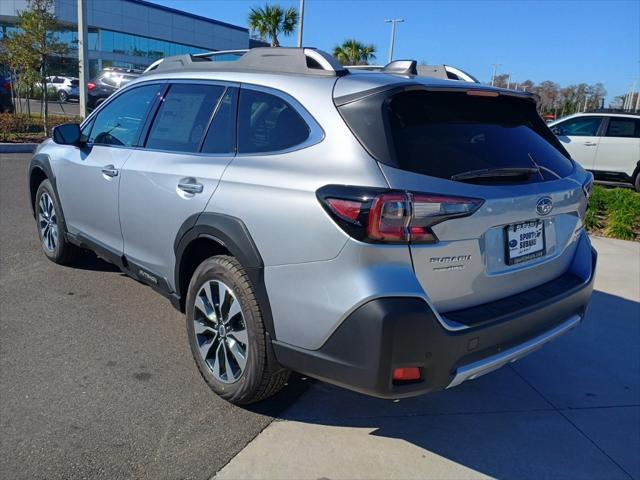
x: 377, y: 215
x: 91, y: 86
x: 482, y: 93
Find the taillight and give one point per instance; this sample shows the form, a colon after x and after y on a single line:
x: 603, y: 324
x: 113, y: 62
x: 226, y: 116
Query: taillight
x: 7, y: 87
x: 378, y: 215
x: 91, y: 86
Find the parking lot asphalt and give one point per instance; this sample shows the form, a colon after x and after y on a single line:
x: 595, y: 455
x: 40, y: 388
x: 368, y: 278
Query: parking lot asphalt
x: 97, y: 381
x: 96, y: 376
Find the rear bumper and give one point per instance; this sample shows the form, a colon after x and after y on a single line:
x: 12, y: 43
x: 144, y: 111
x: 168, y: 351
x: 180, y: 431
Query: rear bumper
x: 389, y: 333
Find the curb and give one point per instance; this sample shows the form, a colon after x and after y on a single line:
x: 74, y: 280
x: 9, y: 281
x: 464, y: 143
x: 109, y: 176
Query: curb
x: 18, y: 147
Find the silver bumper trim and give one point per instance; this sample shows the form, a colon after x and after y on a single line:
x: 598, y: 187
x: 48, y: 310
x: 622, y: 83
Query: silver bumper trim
x: 489, y: 364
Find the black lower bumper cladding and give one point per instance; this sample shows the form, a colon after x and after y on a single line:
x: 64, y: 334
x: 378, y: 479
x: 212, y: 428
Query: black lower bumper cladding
x: 389, y: 333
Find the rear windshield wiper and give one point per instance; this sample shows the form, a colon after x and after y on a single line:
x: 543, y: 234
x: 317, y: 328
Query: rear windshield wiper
x: 499, y: 173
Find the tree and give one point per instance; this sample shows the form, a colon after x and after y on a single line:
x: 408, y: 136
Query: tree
x: 29, y: 50
x: 353, y: 52
x: 272, y: 20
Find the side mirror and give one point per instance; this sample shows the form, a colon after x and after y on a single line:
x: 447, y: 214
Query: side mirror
x: 67, y: 134
x: 558, y: 131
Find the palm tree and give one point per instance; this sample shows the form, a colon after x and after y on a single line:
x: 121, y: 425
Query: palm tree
x: 273, y: 20
x: 353, y: 52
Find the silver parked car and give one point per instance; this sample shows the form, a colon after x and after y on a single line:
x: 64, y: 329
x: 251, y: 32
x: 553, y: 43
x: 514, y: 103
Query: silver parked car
x: 67, y: 88
x: 386, y: 232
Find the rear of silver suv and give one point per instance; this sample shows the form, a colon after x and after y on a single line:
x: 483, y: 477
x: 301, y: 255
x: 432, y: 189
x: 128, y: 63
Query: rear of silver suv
x: 386, y: 232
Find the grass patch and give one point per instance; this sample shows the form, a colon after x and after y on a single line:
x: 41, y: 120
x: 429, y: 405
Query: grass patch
x: 614, y: 212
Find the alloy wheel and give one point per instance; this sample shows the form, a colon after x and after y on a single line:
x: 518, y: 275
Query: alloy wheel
x: 48, y: 222
x: 220, y: 331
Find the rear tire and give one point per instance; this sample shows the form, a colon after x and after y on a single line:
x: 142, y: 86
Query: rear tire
x: 51, y: 226
x: 63, y: 96
x: 636, y: 183
x: 227, y: 335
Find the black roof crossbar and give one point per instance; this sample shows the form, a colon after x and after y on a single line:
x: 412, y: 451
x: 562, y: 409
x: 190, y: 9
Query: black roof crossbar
x: 304, y: 61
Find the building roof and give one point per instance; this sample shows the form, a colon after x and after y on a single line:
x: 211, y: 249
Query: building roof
x: 187, y: 14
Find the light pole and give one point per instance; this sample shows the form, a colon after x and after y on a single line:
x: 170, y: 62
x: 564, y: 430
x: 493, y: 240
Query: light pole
x: 393, y: 34
x: 300, y: 23
x: 83, y: 56
x: 495, y: 68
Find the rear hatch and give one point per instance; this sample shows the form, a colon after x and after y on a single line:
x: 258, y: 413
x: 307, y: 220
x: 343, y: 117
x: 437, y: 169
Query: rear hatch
x: 486, y: 145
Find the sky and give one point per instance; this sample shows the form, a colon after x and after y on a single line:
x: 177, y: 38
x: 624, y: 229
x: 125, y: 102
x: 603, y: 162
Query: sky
x: 566, y: 41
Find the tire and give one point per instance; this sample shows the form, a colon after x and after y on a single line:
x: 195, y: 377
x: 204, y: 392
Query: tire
x: 63, y: 96
x: 51, y: 226
x: 221, y: 348
x: 636, y: 183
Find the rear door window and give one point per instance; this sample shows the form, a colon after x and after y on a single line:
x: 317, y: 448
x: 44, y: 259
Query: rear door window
x: 623, y: 127
x: 267, y: 123
x: 183, y: 117
x: 221, y: 137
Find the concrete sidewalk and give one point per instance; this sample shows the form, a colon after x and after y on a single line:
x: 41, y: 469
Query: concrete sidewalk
x: 571, y: 410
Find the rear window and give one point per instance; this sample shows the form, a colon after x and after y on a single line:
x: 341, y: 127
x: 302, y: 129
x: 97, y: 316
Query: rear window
x: 443, y: 134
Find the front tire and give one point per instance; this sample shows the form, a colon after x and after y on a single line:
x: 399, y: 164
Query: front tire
x: 63, y: 96
x: 51, y: 227
x: 227, y: 335
x: 636, y: 183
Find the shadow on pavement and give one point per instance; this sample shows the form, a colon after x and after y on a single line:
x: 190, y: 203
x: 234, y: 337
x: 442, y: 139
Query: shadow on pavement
x: 518, y: 421
x: 90, y: 261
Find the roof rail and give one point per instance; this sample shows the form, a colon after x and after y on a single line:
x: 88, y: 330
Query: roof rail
x: 306, y: 61
x: 402, y: 67
x: 410, y: 67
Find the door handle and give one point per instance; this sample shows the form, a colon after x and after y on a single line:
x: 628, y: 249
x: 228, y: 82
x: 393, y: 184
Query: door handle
x: 110, y: 171
x: 191, y: 187
x: 590, y: 144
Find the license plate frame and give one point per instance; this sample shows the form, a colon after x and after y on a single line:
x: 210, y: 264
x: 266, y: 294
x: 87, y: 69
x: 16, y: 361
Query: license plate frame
x: 529, y: 225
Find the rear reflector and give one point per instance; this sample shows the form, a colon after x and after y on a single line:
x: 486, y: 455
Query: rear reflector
x: 91, y: 86
x: 404, y: 374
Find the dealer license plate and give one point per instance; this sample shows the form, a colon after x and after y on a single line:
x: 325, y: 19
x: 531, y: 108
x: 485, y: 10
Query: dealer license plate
x: 524, y: 241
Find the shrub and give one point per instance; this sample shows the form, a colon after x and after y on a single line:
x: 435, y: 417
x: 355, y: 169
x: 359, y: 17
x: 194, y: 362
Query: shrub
x: 614, y: 212
x: 36, y: 93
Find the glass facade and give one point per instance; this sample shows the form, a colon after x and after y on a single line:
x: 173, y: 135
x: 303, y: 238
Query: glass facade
x: 116, y: 49
x: 138, y: 46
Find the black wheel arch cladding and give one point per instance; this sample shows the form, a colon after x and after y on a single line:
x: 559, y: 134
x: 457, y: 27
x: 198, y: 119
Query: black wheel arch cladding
x: 232, y: 234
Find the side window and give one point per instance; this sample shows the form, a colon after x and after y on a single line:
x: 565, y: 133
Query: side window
x: 267, y: 123
x: 221, y: 137
x: 581, y: 127
x: 183, y: 117
x: 623, y: 127
x: 86, y: 130
x: 118, y: 123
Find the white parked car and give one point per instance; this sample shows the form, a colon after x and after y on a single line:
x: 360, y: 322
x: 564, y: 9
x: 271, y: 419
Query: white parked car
x: 608, y: 144
x: 66, y: 87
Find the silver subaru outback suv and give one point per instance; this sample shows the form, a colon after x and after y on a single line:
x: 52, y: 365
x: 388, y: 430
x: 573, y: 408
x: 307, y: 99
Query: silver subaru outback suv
x: 387, y: 232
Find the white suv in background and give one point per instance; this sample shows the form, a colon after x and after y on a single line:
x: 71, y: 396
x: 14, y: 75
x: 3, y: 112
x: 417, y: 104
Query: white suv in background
x: 608, y: 144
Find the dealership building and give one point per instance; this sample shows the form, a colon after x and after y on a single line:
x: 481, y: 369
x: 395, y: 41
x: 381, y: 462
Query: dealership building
x: 134, y: 33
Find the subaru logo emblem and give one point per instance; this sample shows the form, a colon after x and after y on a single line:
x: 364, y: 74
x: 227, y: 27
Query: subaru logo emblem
x: 513, y: 243
x: 544, y: 206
